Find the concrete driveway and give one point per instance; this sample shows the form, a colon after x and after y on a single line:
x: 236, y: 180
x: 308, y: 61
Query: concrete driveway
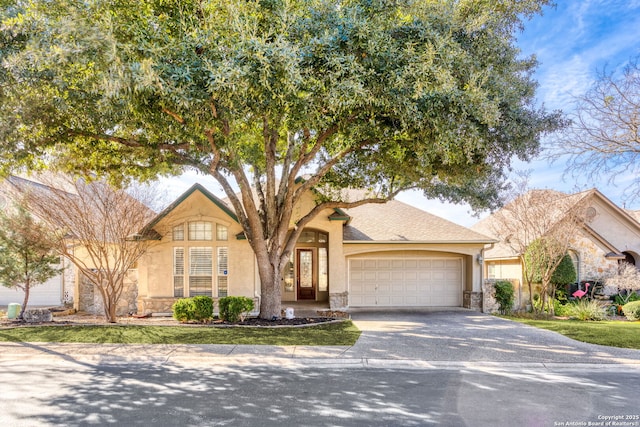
x: 467, y: 336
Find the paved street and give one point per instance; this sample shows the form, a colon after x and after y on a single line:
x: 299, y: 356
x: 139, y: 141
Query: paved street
x: 414, y: 368
x: 167, y: 394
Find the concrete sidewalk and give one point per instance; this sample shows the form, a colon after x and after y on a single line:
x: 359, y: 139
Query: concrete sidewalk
x: 403, y: 339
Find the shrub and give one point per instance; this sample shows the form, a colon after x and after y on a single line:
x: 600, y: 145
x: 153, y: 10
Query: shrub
x: 584, y: 309
x: 504, y: 295
x: 632, y: 310
x: 182, y: 309
x: 202, y: 308
x: 195, y: 309
x: 561, y: 309
x: 234, y: 309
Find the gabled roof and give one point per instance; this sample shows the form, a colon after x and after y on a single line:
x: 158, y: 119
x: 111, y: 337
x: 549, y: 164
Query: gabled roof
x: 148, y: 229
x: 395, y: 222
x: 560, y: 201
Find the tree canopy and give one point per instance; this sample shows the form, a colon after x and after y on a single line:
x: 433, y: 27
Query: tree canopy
x: 372, y: 94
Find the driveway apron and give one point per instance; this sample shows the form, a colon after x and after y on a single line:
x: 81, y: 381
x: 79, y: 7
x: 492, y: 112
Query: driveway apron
x: 468, y: 336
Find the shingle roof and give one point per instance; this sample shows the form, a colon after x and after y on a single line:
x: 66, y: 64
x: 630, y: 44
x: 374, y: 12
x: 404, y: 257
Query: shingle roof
x: 395, y: 221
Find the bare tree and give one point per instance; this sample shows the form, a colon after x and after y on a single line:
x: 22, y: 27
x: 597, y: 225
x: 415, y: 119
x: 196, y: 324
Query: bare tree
x: 96, y: 228
x: 603, y: 137
x: 625, y: 279
x: 540, y: 226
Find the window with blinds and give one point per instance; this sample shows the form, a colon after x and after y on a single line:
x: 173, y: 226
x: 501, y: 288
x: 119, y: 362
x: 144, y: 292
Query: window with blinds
x: 178, y: 272
x: 200, y: 271
x: 223, y: 271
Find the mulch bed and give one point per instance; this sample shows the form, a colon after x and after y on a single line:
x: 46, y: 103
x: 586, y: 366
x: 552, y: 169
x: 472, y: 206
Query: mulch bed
x: 296, y: 321
x: 163, y: 321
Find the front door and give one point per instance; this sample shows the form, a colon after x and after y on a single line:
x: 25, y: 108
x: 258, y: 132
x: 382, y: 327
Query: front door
x: 306, y: 277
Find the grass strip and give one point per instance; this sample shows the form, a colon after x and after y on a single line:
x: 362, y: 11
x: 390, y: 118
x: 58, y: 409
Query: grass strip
x: 343, y: 333
x: 610, y: 333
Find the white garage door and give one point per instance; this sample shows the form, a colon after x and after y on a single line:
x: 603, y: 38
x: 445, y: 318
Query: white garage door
x: 47, y: 293
x: 415, y: 282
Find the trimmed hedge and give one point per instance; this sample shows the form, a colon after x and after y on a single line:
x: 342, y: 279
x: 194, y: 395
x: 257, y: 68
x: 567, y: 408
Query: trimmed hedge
x: 234, y: 309
x: 194, y: 309
x: 631, y: 310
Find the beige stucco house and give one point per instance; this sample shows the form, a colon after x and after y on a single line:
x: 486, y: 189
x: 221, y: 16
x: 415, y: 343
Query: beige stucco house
x: 610, y: 235
x: 390, y: 255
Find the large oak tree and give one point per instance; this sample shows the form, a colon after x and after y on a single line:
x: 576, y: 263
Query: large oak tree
x: 373, y: 94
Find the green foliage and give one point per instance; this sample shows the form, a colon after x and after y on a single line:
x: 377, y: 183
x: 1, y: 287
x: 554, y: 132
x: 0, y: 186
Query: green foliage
x: 434, y: 95
x: 541, y: 256
x: 234, y: 309
x: 631, y: 310
x: 182, y: 309
x: 202, y: 308
x: 194, y: 309
x: 585, y: 309
x: 565, y: 272
x: 560, y: 308
x: 621, y: 299
x: 27, y: 255
x: 504, y: 295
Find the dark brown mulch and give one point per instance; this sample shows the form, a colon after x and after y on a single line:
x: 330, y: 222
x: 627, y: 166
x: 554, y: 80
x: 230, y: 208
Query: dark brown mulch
x: 254, y: 321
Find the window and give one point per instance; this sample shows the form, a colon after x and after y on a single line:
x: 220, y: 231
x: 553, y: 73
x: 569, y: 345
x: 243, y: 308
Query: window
x: 307, y: 237
x: 200, y: 230
x: 178, y: 272
x: 178, y: 232
x: 221, y: 232
x: 491, y: 271
x: 323, y: 270
x: 200, y: 271
x: 575, y: 258
x: 289, y: 275
x: 223, y: 270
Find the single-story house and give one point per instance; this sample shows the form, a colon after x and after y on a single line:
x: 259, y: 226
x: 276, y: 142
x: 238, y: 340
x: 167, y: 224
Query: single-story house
x: 383, y: 256
x: 610, y: 235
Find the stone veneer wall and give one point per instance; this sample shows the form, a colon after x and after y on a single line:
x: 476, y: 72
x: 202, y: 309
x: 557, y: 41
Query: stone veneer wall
x: 472, y: 300
x: 489, y: 303
x: 90, y: 299
x: 339, y: 301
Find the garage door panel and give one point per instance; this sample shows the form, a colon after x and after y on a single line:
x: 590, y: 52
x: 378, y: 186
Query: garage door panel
x: 421, y: 282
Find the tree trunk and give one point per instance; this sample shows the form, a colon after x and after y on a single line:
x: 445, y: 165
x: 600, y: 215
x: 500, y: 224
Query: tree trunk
x: 27, y: 288
x: 270, y: 278
x: 110, y: 310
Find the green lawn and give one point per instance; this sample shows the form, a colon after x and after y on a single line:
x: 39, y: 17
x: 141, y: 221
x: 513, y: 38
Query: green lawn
x: 609, y: 333
x: 343, y: 333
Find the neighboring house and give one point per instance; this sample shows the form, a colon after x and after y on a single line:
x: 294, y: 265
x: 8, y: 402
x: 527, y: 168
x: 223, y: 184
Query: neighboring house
x: 54, y: 292
x: 389, y: 255
x: 610, y: 235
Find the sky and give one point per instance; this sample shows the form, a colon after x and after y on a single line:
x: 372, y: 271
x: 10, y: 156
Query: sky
x: 572, y: 41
